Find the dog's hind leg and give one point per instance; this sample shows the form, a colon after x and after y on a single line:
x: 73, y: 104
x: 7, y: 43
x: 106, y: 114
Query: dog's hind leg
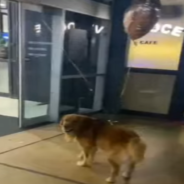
x: 130, y: 168
x: 136, y: 151
x: 115, y: 168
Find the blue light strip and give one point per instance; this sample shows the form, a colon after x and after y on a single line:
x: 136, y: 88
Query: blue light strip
x: 5, y: 36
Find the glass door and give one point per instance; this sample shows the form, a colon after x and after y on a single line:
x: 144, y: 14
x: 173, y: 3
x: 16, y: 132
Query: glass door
x: 40, y: 26
x: 84, y: 63
x: 8, y: 59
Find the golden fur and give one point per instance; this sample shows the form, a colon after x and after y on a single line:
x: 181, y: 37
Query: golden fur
x: 118, y: 143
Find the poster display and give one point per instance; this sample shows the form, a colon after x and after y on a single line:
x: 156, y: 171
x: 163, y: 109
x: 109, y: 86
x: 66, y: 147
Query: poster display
x: 161, y: 47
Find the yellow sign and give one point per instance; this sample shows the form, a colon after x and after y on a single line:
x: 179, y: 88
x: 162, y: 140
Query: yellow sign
x: 156, y: 51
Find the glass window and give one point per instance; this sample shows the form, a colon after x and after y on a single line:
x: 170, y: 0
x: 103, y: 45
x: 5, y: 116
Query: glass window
x: 8, y: 103
x: 149, y: 92
x: 76, y: 94
x: 161, y: 48
x: 85, y: 56
x: 4, y: 40
x: 81, y: 45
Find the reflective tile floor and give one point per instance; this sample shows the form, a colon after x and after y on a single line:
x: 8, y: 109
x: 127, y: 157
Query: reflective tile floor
x: 42, y: 156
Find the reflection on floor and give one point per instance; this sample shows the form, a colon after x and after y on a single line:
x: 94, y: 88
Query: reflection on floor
x: 42, y: 156
x: 9, y: 107
x: 4, y: 78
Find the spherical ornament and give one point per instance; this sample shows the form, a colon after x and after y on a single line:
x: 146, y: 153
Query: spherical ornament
x: 141, y: 17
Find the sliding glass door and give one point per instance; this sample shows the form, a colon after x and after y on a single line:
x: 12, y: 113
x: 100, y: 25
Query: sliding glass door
x: 39, y: 26
x: 8, y: 61
x: 84, y: 63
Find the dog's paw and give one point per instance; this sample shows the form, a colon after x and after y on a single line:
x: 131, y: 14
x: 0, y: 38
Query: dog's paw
x: 126, y: 176
x: 110, y: 180
x: 82, y: 164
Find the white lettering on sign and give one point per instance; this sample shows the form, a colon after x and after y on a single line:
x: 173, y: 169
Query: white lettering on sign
x: 71, y: 25
x: 165, y: 29
x: 168, y: 29
x: 98, y: 29
x: 177, y: 31
x: 156, y: 28
x: 38, y: 28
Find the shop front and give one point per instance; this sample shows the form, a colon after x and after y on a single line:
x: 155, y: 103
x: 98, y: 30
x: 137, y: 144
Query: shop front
x: 53, y: 60
x: 155, y: 63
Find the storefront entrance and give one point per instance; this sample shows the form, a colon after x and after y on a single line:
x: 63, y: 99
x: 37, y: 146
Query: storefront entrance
x: 84, y: 63
x: 155, y: 82
x: 8, y: 60
x: 48, y: 66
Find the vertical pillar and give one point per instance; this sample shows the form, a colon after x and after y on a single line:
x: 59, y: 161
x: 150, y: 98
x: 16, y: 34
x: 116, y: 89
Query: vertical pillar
x: 56, y: 64
x: 176, y: 111
x: 117, y: 58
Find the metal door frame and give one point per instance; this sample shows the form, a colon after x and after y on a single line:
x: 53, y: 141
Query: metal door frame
x: 53, y: 105
x: 21, y: 20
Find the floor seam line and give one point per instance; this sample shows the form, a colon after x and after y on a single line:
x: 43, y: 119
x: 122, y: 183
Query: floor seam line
x: 40, y: 173
x: 1, y: 153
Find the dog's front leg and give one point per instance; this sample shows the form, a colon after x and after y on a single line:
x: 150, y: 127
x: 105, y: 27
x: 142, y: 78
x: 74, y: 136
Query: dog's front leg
x: 81, y: 156
x: 87, y: 156
x: 91, y: 155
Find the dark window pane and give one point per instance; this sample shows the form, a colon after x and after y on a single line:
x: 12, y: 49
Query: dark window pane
x: 81, y: 44
x: 76, y: 93
x: 38, y: 55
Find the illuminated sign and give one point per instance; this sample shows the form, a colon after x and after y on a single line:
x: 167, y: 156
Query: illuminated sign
x: 38, y: 29
x: 148, y: 42
x: 168, y: 29
x: 71, y: 25
x: 98, y: 29
x: 3, y: 4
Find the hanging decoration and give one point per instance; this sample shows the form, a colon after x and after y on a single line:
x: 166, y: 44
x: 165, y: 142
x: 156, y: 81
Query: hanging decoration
x: 141, y: 17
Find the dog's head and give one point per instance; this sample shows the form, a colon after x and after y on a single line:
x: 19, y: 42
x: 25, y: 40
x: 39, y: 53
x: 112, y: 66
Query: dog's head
x: 68, y: 126
x: 68, y: 123
x: 75, y: 125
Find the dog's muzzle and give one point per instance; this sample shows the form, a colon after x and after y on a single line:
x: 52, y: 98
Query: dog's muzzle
x: 68, y: 131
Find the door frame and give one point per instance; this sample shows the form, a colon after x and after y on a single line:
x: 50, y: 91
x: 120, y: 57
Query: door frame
x: 23, y: 122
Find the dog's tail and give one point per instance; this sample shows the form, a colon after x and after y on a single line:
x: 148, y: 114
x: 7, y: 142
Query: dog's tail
x: 137, y: 149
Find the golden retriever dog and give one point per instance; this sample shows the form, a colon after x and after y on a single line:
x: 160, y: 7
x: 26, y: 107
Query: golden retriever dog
x: 92, y: 134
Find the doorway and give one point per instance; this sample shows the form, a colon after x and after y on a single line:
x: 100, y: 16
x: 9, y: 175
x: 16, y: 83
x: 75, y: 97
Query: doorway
x: 85, y: 57
x: 8, y: 52
x: 38, y: 56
